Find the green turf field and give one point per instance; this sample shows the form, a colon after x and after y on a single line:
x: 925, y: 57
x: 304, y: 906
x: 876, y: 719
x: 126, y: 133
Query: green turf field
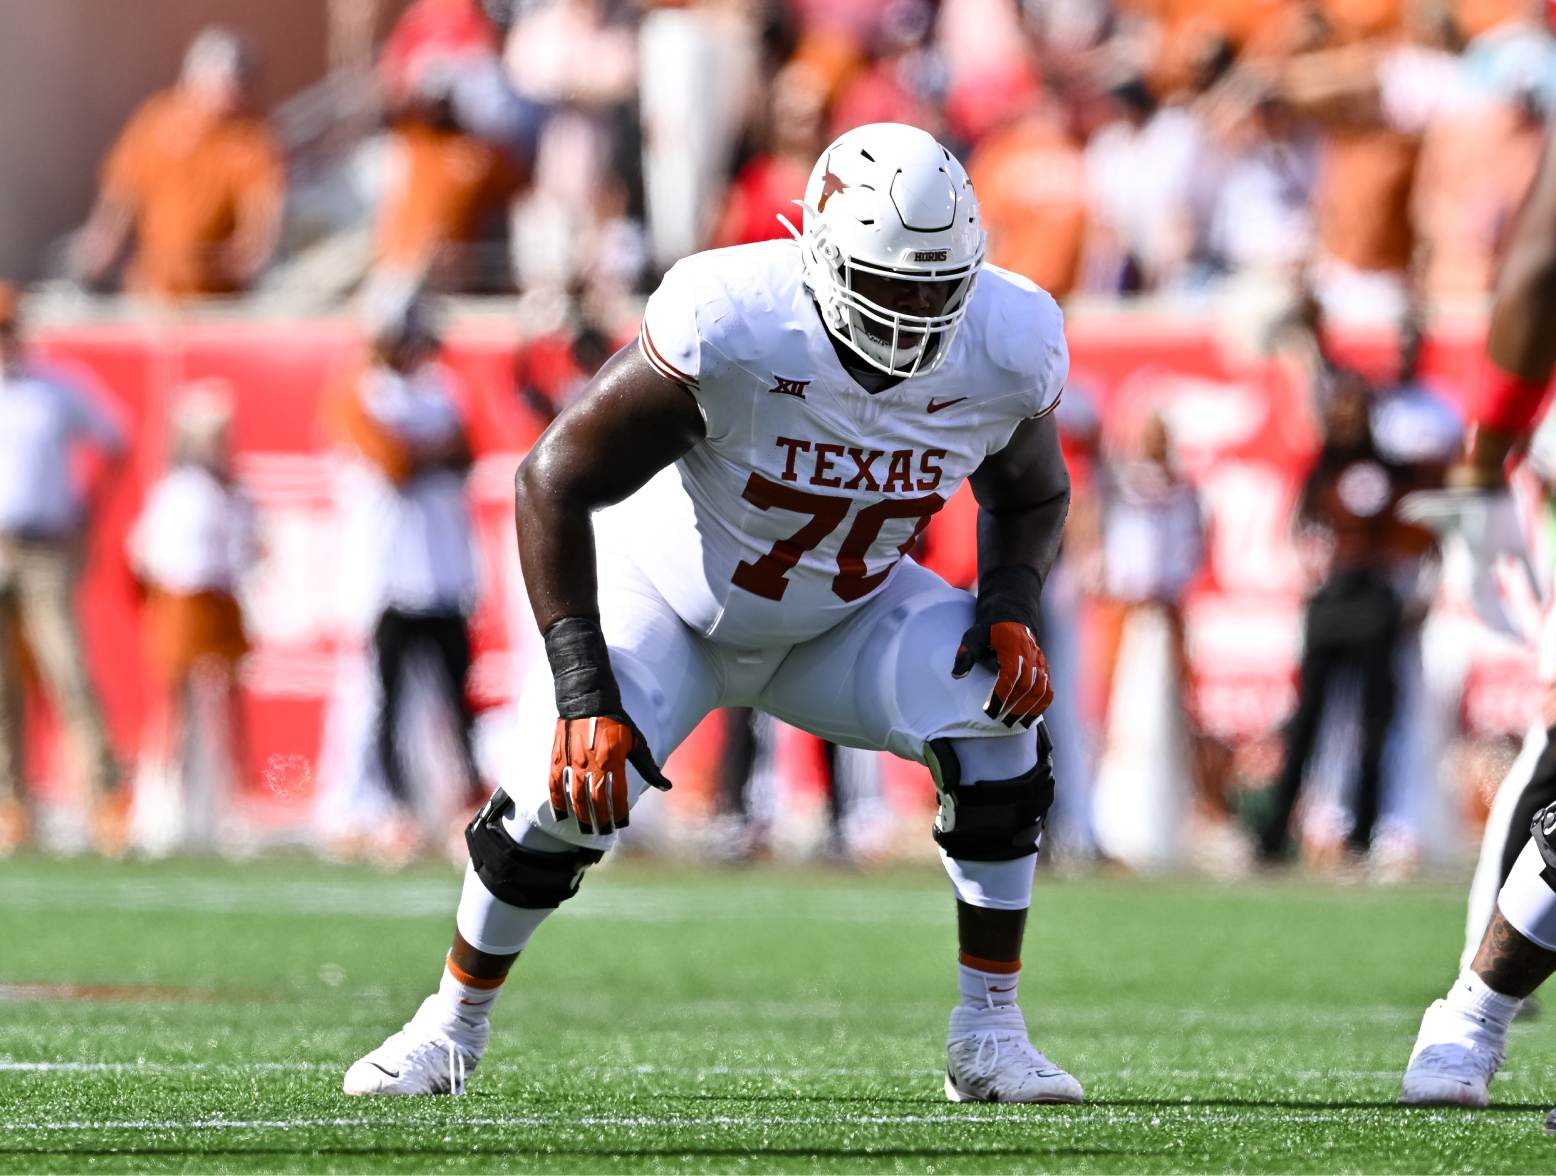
x: 728, y: 1021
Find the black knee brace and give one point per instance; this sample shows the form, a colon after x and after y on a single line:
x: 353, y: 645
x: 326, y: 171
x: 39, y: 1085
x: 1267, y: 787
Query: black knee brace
x: 991, y: 820
x: 1542, y: 831
x: 518, y: 876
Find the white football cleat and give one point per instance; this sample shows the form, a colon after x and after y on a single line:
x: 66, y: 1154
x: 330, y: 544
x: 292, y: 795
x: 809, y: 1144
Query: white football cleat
x: 420, y: 1059
x: 988, y: 1058
x: 1455, y: 1057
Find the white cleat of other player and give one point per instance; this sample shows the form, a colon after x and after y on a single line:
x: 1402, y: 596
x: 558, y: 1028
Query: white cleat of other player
x: 989, y: 1058
x: 1455, y: 1057
x: 420, y: 1059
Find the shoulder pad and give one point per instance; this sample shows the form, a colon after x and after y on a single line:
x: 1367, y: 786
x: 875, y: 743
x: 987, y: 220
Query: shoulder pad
x: 1025, y: 327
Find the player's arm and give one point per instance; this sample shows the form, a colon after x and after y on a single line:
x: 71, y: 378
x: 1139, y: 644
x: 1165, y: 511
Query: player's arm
x: 1023, y: 494
x: 1521, y: 340
x: 630, y: 423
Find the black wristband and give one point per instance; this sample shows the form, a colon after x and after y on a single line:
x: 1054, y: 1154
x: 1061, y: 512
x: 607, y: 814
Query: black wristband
x: 1010, y: 593
x: 581, y: 668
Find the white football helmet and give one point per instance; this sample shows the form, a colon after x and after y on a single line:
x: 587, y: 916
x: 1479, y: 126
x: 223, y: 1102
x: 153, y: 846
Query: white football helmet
x: 887, y: 200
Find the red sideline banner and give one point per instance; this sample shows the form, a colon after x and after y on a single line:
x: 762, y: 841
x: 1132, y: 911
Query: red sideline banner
x: 1244, y: 431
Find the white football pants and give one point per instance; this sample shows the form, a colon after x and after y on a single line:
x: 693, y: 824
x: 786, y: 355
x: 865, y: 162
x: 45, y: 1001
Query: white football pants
x: 879, y: 680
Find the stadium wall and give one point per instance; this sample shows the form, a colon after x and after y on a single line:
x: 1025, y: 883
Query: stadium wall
x: 1244, y: 434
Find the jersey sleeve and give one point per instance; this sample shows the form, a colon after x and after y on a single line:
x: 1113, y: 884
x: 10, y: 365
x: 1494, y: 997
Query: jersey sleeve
x: 1048, y: 360
x: 669, y: 337
x: 688, y: 333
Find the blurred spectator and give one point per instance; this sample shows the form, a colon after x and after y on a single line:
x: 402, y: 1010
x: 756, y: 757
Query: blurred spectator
x: 432, y: 30
x: 1418, y: 431
x: 1418, y: 428
x: 1030, y: 177
x: 1355, y: 618
x: 1258, y: 193
x: 1152, y: 546
x: 401, y: 418
x: 554, y: 368
x: 739, y: 830
x: 1475, y: 169
x: 1507, y: 48
x: 1069, y: 822
x: 195, y: 179
x: 988, y: 59
x: 1143, y: 167
x: 577, y: 61
x: 457, y: 40
x: 904, y: 79
x: 1374, y: 88
x: 1488, y: 105
x: 448, y: 186
x: 191, y: 546
x: 1415, y: 423
x: 695, y: 103
x: 745, y: 805
x: 773, y: 181
x: 44, y: 420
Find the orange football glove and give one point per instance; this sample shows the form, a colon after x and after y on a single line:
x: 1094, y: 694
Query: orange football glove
x: 589, y: 771
x: 1021, y: 690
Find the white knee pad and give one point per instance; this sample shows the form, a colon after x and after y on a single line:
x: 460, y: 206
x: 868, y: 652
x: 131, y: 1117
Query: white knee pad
x: 488, y: 924
x: 1528, y: 901
x: 1000, y: 886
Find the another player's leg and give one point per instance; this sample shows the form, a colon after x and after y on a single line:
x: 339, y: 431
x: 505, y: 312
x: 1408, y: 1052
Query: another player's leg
x: 994, y: 795
x: 1463, y: 1036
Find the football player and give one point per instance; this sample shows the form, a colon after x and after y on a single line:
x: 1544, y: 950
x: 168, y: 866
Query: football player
x: 722, y: 519
x: 1462, y: 1037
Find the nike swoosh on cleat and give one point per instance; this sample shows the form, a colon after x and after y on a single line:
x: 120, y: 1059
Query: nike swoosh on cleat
x: 381, y: 1070
x: 935, y: 406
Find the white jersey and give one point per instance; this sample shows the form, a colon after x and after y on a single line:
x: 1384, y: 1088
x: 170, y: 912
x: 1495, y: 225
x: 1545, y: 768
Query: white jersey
x: 807, y: 491
x: 195, y: 533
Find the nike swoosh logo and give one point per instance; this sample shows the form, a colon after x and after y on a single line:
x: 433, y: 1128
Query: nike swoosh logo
x: 993, y: 989
x: 935, y: 406
x: 380, y: 1069
x: 476, y: 1003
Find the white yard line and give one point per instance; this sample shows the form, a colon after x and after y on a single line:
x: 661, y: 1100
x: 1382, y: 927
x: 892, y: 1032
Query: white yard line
x: 649, y: 1069
x: 1143, y: 1020
x: 402, y: 899
x: 984, y: 1114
